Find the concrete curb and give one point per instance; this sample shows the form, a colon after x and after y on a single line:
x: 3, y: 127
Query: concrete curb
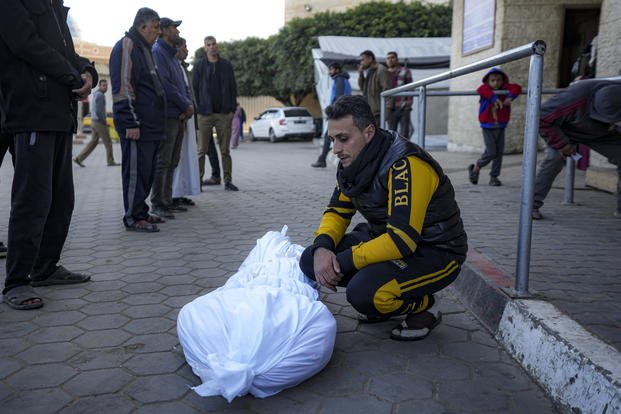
x: 579, y: 372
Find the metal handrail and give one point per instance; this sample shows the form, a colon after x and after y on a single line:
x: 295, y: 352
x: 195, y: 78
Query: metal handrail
x: 536, y: 51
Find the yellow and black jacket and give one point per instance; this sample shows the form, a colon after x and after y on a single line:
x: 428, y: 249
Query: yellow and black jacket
x: 410, y: 202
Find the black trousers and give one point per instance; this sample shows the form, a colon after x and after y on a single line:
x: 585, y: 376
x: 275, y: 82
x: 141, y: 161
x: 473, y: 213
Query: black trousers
x: 42, y: 202
x: 394, y: 287
x: 137, y: 171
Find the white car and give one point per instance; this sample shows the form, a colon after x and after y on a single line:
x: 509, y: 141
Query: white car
x: 278, y: 124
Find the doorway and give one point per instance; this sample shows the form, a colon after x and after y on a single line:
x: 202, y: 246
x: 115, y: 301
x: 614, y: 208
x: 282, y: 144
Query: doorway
x: 581, y: 26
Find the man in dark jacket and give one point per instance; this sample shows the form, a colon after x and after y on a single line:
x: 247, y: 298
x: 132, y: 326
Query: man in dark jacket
x: 413, y: 243
x: 214, y: 84
x: 588, y: 112
x: 139, y: 116
x: 179, y: 108
x: 40, y: 81
x: 340, y: 87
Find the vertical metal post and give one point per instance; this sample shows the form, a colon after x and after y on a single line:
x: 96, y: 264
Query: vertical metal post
x: 570, y: 178
x: 529, y: 164
x: 382, y: 112
x: 422, y: 115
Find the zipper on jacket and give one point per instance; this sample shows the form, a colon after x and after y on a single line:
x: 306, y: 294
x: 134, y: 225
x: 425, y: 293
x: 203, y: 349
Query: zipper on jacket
x: 58, y: 25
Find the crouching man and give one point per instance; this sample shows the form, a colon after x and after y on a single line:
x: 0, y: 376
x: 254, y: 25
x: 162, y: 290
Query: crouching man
x: 413, y: 243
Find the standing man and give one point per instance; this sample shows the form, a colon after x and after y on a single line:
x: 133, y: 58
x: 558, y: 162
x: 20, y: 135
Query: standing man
x: 373, y: 79
x: 40, y: 82
x: 139, y: 116
x: 413, y: 243
x: 216, y: 99
x: 340, y: 87
x: 399, y: 75
x: 179, y: 108
x: 587, y: 113
x: 99, y: 125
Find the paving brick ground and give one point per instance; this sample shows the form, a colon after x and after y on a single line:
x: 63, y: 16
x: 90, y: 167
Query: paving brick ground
x: 110, y: 346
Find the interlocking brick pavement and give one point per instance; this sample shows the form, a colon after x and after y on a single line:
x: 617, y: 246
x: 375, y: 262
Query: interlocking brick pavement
x: 111, y: 346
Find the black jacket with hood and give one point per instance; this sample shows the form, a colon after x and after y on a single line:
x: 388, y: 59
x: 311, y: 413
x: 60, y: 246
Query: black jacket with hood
x: 38, y: 67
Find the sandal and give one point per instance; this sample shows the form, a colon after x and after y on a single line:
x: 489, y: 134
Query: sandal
x: 61, y: 276
x: 421, y: 325
x: 142, y: 226
x: 473, y: 176
x: 155, y: 219
x: 17, y: 297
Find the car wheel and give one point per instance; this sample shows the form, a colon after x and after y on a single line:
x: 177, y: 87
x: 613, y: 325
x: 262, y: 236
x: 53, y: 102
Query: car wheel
x: 251, y: 136
x: 272, y: 136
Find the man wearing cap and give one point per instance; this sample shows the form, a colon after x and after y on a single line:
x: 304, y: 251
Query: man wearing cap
x: 179, y: 107
x: 587, y: 113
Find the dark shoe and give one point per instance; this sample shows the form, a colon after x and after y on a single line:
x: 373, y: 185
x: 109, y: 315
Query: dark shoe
x: 114, y: 164
x: 23, y: 298
x: 177, y: 208
x: 145, y: 226
x: 77, y: 161
x: 472, y: 176
x: 212, y: 181
x: 163, y: 213
x: 230, y: 187
x: 184, y: 201
x: 2, y: 250
x: 417, y: 326
x: 536, y: 214
x: 319, y: 164
x: 61, y: 276
x: 495, y: 182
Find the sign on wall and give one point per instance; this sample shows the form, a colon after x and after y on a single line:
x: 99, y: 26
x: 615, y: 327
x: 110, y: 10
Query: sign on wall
x: 478, y: 31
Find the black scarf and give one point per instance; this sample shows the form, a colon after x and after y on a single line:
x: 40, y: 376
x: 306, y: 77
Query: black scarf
x: 353, y: 180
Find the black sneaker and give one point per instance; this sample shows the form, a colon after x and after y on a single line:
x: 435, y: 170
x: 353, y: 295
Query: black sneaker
x: 319, y: 164
x: 177, y: 207
x: 495, y: 182
x: 2, y: 250
x: 230, y: 187
x: 163, y: 213
x: 536, y: 214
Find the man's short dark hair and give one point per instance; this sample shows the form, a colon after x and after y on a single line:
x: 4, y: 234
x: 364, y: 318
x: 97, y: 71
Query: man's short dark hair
x: 354, y: 105
x: 144, y: 16
x: 180, y: 42
x: 368, y: 53
x: 103, y: 81
x: 336, y: 66
x: 393, y: 53
x: 209, y: 38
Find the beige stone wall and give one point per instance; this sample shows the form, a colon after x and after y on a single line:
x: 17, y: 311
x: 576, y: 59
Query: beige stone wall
x: 296, y: 8
x: 517, y: 22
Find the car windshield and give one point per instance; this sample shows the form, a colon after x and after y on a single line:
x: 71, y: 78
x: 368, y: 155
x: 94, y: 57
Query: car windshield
x: 296, y: 112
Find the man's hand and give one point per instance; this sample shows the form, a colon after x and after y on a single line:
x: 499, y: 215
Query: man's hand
x: 132, y: 133
x: 189, y: 111
x: 568, y: 150
x: 327, y: 269
x: 86, y: 87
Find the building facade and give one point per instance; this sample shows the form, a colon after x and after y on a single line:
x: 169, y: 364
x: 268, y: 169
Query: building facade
x: 484, y: 28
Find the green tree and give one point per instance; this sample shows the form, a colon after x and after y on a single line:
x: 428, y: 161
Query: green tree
x: 282, y: 65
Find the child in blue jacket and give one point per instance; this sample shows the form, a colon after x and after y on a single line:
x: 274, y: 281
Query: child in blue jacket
x: 494, y: 114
